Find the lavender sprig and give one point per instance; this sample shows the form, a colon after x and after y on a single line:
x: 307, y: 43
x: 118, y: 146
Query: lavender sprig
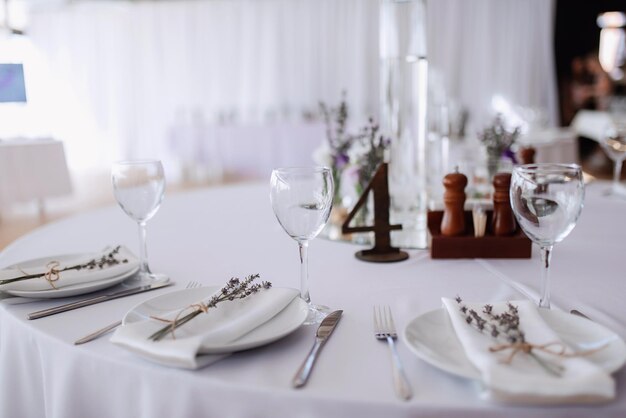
x: 234, y: 289
x: 505, y: 325
x: 106, y: 260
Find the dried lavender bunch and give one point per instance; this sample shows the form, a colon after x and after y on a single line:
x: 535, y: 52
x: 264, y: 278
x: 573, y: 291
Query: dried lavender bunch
x: 339, y: 141
x: 336, y: 120
x: 375, y: 146
x: 497, y: 139
x: 106, y: 260
x: 362, y: 151
x: 505, y: 326
x: 234, y: 289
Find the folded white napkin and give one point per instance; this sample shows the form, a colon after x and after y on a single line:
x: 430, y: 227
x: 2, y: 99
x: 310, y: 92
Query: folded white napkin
x: 221, y: 325
x: 524, y: 381
x: 69, y: 277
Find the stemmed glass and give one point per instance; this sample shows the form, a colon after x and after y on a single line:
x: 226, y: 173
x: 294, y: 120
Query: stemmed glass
x: 138, y: 187
x: 547, y: 200
x: 614, y: 143
x: 302, y: 198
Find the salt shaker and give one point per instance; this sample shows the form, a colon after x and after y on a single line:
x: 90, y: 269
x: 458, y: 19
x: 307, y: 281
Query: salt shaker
x: 503, y: 222
x: 453, y: 222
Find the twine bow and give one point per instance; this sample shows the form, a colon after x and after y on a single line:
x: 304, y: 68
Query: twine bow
x: 527, y: 348
x: 53, y: 273
x: 173, y: 323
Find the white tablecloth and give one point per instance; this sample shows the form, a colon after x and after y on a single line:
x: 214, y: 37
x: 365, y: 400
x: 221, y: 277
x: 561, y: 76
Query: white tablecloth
x: 32, y: 169
x: 211, y: 235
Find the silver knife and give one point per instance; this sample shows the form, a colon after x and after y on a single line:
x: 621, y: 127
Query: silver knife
x: 323, y: 332
x: 97, y: 299
x: 98, y: 333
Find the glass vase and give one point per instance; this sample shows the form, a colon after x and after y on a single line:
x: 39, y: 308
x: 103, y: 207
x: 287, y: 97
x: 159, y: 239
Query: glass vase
x: 403, y: 112
x: 493, y: 164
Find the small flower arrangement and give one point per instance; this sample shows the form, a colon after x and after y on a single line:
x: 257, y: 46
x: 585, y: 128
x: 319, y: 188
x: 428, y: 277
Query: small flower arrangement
x: 367, y: 153
x: 498, y: 142
x: 357, y: 154
x: 497, y: 139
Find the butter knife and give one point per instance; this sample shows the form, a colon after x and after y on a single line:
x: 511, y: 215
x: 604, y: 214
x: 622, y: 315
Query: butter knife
x: 97, y: 299
x: 98, y: 333
x: 323, y: 333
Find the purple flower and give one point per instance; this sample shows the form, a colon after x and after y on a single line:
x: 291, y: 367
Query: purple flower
x: 508, y: 153
x: 341, y: 160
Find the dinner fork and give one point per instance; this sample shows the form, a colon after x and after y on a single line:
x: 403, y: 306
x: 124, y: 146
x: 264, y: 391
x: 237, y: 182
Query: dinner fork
x: 110, y: 327
x: 385, y: 329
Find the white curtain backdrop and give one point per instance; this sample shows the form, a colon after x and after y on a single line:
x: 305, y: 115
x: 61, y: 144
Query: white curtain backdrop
x: 127, y: 73
x: 487, y: 48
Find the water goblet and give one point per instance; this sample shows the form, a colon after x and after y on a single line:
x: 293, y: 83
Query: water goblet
x: 547, y: 200
x: 138, y: 187
x: 614, y: 144
x: 302, y: 198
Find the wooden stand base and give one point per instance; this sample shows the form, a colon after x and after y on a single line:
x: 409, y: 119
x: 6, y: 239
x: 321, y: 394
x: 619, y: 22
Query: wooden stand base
x: 467, y: 246
x: 377, y: 257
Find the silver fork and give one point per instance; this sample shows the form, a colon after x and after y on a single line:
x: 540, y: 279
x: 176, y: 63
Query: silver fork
x: 110, y: 327
x: 385, y: 329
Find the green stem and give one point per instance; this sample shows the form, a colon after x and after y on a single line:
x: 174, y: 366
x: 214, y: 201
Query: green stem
x: 553, y: 369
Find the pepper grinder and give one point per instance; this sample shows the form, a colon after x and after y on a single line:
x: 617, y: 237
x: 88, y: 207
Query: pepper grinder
x: 453, y: 222
x: 527, y: 155
x: 503, y: 223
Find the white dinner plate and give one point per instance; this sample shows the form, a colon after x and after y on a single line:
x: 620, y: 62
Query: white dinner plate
x: 66, y: 291
x: 284, y: 323
x: 432, y: 338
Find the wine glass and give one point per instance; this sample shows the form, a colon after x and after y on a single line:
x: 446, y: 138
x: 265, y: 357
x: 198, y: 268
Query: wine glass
x: 614, y: 143
x: 547, y: 200
x: 302, y: 198
x: 138, y: 187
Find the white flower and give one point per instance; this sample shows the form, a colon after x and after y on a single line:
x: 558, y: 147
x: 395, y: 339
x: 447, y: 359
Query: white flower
x: 358, y: 151
x: 323, y: 155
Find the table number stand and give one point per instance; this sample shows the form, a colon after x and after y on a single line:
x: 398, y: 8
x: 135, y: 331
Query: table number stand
x: 383, y: 251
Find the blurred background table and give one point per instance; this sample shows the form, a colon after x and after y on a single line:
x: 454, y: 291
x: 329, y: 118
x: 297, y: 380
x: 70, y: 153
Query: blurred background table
x: 553, y: 145
x: 32, y: 169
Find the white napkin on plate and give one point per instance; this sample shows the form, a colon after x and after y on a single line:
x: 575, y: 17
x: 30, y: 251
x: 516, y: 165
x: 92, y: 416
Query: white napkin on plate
x: 69, y: 277
x: 221, y: 325
x: 524, y: 381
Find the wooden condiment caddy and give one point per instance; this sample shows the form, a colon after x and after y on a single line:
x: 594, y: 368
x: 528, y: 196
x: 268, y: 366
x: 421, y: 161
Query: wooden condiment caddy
x: 502, y: 239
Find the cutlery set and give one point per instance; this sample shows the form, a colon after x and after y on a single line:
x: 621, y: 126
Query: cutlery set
x: 110, y: 327
x: 384, y: 329
x: 97, y: 299
x: 383, y: 326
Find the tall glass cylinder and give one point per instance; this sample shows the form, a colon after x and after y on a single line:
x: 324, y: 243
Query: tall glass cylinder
x: 403, y: 111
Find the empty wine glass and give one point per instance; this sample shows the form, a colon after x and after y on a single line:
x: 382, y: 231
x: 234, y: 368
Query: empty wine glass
x: 614, y: 143
x: 138, y: 187
x: 302, y: 198
x: 547, y: 200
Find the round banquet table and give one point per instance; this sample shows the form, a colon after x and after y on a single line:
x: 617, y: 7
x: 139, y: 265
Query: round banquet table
x: 211, y: 235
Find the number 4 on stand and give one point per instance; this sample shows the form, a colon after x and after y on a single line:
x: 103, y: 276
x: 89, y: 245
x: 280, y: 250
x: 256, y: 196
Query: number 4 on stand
x: 382, y: 252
